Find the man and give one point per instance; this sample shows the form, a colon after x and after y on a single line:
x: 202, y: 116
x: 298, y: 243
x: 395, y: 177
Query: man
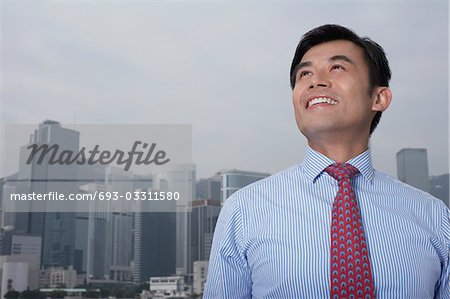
x: 332, y: 226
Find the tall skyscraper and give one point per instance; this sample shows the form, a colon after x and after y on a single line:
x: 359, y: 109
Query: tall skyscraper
x: 412, y: 167
x: 154, y: 245
x: 209, y: 188
x: 7, y: 218
x: 104, y: 234
x: 234, y: 179
x: 203, y: 221
x: 120, y: 226
x: 56, y: 229
x: 154, y: 235
x: 92, y: 248
x: 180, y: 178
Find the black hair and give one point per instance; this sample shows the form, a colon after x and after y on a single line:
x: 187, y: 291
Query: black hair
x: 379, y: 71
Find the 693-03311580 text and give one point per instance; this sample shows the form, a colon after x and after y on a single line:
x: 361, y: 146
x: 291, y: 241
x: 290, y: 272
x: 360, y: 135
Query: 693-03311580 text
x: 139, y: 195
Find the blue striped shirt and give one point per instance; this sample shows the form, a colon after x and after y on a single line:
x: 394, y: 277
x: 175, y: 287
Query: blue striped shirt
x: 272, y: 238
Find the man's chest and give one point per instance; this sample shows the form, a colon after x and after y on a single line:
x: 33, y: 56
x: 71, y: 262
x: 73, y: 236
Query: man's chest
x: 289, y: 257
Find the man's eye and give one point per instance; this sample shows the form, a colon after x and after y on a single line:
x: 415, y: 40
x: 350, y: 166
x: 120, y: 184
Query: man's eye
x: 304, y: 73
x: 337, y: 67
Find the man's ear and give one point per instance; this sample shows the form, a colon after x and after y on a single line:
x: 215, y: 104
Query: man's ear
x: 382, y: 96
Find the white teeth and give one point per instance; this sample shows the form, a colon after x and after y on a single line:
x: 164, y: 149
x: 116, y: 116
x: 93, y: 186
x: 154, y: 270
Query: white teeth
x: 321, y: 100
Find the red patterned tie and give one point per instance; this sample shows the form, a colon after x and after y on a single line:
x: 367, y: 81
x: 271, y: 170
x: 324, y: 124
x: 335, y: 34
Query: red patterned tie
x: 351, y: 275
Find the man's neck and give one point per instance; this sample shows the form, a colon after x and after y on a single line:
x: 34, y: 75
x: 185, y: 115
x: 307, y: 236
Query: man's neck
x: 339, y: 151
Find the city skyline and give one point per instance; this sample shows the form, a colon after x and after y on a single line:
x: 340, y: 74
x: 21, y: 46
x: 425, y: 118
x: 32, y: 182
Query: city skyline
x: 223, y: 68
x: 120, y: 247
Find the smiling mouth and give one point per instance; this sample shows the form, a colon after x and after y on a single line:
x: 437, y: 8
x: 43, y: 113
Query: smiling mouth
x: 321, y: 100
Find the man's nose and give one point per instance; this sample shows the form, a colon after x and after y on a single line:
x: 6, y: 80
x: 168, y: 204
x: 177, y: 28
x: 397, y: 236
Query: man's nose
x: 319, y: 81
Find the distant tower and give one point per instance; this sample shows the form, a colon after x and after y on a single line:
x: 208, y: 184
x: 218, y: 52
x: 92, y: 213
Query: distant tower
x: 234, y: 179
x: 154, y: 234
x: 104, y: 234
x: 412, y: 167
x: 440, y: 187
x: 180, y: 178
x: 203, y: 221
x: 56, y: 229
x: 209, y: 188
x: 154, y: 245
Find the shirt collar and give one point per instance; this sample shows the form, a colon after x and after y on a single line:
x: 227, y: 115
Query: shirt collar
x: 314, y: 163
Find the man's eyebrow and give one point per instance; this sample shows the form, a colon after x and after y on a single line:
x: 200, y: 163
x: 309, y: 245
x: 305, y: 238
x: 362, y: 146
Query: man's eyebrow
x: 332, y: 58
x: 303, y: 64
x: 341, y: 57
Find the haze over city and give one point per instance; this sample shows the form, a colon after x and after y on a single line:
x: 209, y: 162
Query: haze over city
x: 222, y: 67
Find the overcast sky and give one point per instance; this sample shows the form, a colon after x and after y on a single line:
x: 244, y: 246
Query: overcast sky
x: 222, y: 67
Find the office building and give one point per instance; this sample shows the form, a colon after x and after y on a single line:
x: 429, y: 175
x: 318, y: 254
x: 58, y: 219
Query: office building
x: 180, y: 178
x: 203, y: 221
x: 14, y: 277
x: 22, y: 270
x: 439, y: 187
x: 234, y: 179
x: 103, y: 237
x: 25, y: 245
x: 412, y: 167
x: 168, y: 287
x: 59, y: 277
x: 92, y: 247
x: 200, y: 274
x: 57, y: 230
x: 209, y: 188
x: 154, y: 245
x: 154, y: 241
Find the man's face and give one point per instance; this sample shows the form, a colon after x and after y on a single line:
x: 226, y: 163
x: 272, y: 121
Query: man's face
x: 331, y: 92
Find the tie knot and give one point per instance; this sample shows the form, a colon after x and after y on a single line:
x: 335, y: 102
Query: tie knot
x: 341, y: 171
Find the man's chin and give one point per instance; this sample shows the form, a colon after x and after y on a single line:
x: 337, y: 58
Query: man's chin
x: 319, y: 130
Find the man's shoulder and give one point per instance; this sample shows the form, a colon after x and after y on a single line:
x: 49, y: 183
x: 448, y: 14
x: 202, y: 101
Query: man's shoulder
x: 272, y: 183
x: 394, y: 186
x: 287, y: 175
